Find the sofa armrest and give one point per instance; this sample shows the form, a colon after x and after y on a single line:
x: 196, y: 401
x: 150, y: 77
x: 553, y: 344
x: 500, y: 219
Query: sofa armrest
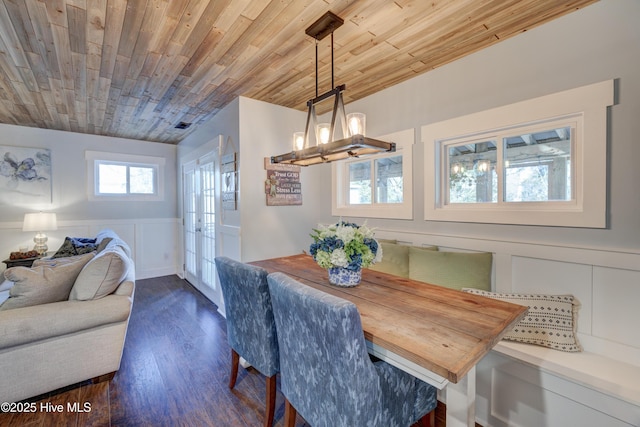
x: 28, y: 324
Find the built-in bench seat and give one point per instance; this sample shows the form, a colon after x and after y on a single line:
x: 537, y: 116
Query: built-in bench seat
x: 525, y: 384
x: 556, y: 388
x: 615, y: 378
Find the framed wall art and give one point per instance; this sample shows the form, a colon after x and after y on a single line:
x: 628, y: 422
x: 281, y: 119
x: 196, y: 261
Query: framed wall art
x: 25, y: 175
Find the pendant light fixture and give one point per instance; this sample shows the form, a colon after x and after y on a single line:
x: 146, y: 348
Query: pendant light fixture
x: 353, y: 142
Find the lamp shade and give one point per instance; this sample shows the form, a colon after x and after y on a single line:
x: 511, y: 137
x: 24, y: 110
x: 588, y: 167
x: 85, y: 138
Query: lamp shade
x: 323, y: 131
x: 356, y: 122
x: 41, y: 221
x: 298, y: 141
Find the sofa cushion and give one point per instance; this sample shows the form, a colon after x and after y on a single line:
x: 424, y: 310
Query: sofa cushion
x: 75, y: 246
x: 42, y: 284
x: 54, y: 262
x: 550, y: 322
x: 395, y: 259
x: 101, y: 276
x: 455, y: 270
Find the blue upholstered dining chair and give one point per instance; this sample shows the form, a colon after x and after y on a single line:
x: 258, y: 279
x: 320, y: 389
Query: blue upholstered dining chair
x: 326, y: 374
x: 251, y: 330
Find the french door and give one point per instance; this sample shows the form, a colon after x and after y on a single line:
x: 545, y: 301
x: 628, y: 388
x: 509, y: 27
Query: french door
x: 200, y: 226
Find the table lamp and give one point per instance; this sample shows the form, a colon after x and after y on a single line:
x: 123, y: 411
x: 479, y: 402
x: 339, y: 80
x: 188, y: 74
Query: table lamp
x: 39, y: 222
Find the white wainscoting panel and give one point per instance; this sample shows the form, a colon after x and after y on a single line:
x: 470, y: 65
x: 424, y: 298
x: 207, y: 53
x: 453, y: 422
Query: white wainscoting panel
x: 153, y: 242
x: 542, y: 276
x: 229, y: 242
x: 616, y: 305
x: 511, y: 393
x: 156, y: 247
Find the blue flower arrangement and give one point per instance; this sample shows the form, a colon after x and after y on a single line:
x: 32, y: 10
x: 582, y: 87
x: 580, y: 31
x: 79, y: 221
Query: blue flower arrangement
x: 345, y: 245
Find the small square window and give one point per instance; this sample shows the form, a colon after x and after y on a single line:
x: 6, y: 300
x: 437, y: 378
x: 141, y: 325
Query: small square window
x: 122, y: 178
x: 125, y: 177
x: 376, y: 186
x: 539, y: 169
x: 472, y: 172
x: 360, y: 183
x: 389, y: 184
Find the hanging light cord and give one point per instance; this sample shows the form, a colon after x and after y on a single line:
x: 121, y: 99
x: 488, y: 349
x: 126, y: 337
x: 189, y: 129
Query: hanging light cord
x: 332, y: 82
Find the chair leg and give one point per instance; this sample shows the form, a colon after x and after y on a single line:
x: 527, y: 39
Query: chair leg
x: 235, y: 360
x: 271, y: 401
x: 429, y: 420
x: 289, y: 414
x: 432, y: 419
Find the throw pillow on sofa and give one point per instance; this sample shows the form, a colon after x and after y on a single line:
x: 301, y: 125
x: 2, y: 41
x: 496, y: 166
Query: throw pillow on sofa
x: 550, y: 322
x: 42, y: 284
x: 101, y: 276
x: 455, y: 270
x: 75, y: 246
x: 54, y: 262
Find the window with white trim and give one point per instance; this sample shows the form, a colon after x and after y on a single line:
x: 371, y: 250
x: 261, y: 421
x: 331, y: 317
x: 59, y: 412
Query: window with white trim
x: 528, y: 163
x: 537, y: 162
x: 376, y: 186
x: 115, y: 176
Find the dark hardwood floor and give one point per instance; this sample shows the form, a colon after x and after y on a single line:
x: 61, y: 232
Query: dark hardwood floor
x: 174, y: 372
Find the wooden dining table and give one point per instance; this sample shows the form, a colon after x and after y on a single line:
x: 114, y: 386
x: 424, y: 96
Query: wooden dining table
x: 435, y: 333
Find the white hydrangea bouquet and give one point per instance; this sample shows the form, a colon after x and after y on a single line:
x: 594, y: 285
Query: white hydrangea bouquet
x: 344, y: 249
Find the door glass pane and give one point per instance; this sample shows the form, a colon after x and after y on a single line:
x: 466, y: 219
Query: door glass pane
x: 389, y: 180
x: 190, y: 219
x: 207, y: 179
x: 537, y: 166
x: 360, y: 183
x: 472, y: 175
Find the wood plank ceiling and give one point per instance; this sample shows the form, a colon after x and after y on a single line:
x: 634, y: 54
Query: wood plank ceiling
x: 137, y: 68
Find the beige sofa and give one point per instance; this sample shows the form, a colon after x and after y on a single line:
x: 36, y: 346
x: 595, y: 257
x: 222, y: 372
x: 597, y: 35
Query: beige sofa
x: 48, y: 346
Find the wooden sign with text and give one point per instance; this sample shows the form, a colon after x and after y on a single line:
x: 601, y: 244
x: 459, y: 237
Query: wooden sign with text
x: 282, y: 185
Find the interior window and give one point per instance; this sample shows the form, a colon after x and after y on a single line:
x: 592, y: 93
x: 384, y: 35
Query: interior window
x: 376, y: 186
x: 541, y: 161
x: 116, y: 176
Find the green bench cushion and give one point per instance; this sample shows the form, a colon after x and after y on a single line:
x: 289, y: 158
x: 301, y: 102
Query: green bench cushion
x: 454, y: 270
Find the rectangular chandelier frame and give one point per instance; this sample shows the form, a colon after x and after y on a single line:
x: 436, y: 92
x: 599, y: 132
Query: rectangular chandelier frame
x: 347, y: 147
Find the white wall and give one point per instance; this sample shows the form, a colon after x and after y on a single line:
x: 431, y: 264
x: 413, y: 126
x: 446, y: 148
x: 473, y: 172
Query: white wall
x: 69, y: 172
x: 80, y: 217
x: 257, y: 130
x: 271, y: 231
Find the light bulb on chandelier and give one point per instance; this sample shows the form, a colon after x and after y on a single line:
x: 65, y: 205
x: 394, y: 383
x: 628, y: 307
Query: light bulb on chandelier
x: 356, y: 123
x: 323, y: 131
